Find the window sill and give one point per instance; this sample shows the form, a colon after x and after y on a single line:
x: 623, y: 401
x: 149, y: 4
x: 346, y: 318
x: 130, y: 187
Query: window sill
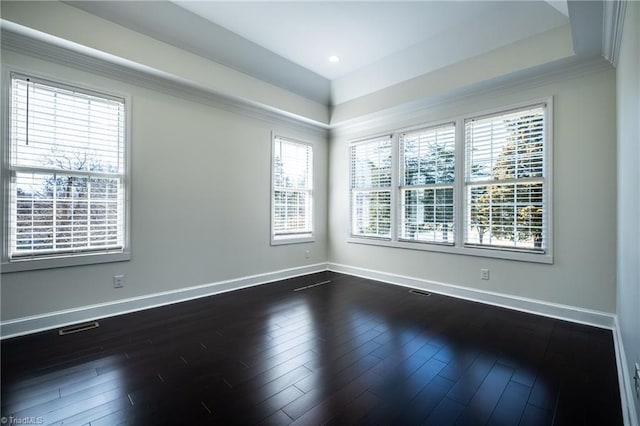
x: 495, y: 253
x: 33, y: 264
x: 292, y: 240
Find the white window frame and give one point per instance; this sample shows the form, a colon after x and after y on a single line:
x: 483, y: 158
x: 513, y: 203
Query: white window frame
x: 295, y: 238
x: 386, y: 138
x: 66, y: 259
x: 488, y: 181
x: 459, y: 247
x: 435, y: 186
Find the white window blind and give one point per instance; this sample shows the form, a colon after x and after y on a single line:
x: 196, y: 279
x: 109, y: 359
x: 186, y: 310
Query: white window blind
x: 292, y: 189
x: 505, y: 180
x: 67, y: 166
x: 371, y: 168
x: 427, y: 177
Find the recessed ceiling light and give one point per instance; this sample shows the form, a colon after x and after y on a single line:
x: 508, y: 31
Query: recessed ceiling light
x: 334, y: 59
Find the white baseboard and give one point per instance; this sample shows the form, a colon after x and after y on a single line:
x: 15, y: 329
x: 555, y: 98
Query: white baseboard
x: 627, y: 392
x: 52, y: 320
x: 538, y: 307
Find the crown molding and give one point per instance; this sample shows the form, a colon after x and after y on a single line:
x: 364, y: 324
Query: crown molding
x: 15, y: 39
x: 172, y: 24
x: 18, y: 39
x: 403, y: 115
x: 613, y: 21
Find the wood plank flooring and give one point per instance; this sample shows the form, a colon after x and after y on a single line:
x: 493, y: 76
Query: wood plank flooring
x: 350, y: 351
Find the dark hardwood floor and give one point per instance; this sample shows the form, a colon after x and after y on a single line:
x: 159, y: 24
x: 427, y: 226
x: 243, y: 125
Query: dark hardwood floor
x: 351, y: 351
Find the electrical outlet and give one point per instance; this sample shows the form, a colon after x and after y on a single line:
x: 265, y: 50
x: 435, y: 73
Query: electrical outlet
x: 118, y: 281
x: 484, y: 274
x: 307, y: 254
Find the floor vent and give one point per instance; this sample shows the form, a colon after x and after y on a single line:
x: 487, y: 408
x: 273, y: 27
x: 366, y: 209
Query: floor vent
x: 78, y: 328
x: 420, y: 292
x: 312, y: 285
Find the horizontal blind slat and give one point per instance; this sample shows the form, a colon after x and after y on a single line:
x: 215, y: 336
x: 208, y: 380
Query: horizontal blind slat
x: 505, y: 180
x: 67, y: 163
x: 292, y: 188
x: 427, y: 161
x: 371, y: 166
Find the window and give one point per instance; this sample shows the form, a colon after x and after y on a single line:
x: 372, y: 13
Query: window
x: 427, y: 177
x: 478, y: 185
x: 371, y: 188
x: 505, y: 180
x: 66, y: 172
x: 292, y: 191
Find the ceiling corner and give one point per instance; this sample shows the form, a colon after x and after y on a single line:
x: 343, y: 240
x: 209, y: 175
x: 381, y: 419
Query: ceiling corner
x: 584, y: 17
x: 613, y: 19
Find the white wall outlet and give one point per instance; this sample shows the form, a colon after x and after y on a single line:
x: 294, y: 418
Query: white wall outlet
x: 118, y: 281
x: 484, y: 274
x: 307, y: 254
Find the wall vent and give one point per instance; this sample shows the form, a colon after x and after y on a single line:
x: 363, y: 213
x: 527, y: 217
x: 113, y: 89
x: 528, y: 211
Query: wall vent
x: 78, y: 328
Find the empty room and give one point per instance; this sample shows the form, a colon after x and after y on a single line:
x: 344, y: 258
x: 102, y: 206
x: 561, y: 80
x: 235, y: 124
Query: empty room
x: 320, y: 212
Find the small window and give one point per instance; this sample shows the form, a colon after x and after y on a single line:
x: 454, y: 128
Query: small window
x: 371, y: 165
x: 67, y: 176
x: 427, y: 178
x: 292, y: 191
x: 505, y: 180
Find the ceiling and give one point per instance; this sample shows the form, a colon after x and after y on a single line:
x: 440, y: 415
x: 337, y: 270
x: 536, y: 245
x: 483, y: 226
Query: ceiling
x: 364, y: 33
x: 379, y: 43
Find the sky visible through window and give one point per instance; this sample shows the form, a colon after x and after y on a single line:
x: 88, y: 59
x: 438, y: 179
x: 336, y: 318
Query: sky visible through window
x: 67, y: 160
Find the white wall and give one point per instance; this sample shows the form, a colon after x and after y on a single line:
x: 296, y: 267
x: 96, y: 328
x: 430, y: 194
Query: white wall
x: 628, y: 103
x: 175, y: 246
x: 458, y: 76
x: 80, y: 30
x: 584, y: 271
x: 199, y: 201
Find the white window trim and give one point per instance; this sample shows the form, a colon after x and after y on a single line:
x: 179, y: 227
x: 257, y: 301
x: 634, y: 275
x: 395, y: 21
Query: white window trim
x: 394, y: 169
x: 291, y: 239
x: 459, y: 247
x: 402, y: 185
x: 59, y: 260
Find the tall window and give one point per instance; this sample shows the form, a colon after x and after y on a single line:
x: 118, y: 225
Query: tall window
x: 292, y: 191
x: 371, y: 188
x: 66, y: 169
x: 505, y: 180
x: 427, y: 176
x: 478, y: 185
